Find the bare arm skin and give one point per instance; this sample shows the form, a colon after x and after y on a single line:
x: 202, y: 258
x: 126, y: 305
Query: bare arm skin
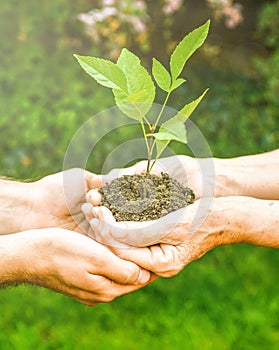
x: 253, y: 176
x: 68, y: 263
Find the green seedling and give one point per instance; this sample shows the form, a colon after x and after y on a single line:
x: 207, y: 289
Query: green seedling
x: 134, y: 90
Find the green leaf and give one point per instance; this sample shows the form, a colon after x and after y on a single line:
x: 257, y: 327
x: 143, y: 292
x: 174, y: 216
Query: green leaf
x: 177, y: 83
x: 161, y: 146
x: 172, y: 129
x: 188, y: 109
x: 140, y: 87
x: 186, y: 48
x: 103, y: 71
x: 161, y: 75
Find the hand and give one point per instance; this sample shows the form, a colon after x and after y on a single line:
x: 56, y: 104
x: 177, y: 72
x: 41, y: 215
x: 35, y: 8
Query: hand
x: 163, y: 246
x: 69, y: 263
x: 167, y: 245
x: 56, y: 201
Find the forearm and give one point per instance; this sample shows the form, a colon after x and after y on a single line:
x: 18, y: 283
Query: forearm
x: 15, y: 205
x: 253, y: 176
x: 12, y: 266
x: 242, y: 220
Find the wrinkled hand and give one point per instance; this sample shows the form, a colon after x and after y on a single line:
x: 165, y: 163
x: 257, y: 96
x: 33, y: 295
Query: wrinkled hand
x: 74, y: 265
x: 164, y: 246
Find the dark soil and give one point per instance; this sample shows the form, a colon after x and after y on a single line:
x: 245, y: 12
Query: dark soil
x: 144, y: 197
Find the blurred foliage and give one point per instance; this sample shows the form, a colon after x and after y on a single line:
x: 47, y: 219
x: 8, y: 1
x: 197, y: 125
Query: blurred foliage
x: 228, y: 299
x: 44, y: 98
x: 139, y: 23
x: 269, y: 66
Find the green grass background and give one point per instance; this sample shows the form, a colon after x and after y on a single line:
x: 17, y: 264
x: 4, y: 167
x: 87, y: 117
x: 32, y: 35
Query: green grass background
x: 226, y: 300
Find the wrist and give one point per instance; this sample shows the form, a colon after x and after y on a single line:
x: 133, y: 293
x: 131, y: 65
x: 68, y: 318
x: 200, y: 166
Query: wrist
x: 16, y: 203
x: 212, y: 176
x: 228, y: 178
x: 226, y: 223
x: 13, y: 268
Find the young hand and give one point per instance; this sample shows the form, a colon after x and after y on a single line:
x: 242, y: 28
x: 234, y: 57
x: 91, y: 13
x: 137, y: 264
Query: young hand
x: 69, y: 263
x: 53, y: 201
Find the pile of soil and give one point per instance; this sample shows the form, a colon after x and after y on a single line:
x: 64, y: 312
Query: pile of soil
x: 144, y: 196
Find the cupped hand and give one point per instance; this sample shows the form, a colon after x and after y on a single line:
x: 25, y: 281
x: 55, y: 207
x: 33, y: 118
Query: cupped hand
x: 163, y: 246
x: 56, y: 201
x: 75, y: 265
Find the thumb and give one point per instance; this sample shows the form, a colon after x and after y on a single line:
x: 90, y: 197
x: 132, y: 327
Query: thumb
x: 122, y: 271
x: 93, y: 180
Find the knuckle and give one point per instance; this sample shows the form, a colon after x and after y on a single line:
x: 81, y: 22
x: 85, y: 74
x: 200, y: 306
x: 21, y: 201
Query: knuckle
x: 90, y: 304
x: 169, y: 267
x: 169, y: 273
x: 81, y: 296
x: 132, y: 274
x: 106, y: 298
x: 166, y: 262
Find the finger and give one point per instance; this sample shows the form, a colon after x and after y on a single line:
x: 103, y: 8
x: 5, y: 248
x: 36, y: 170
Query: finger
x: 141, y: 256
x: 101, y: 224
x: 86, y: 208
x: 103, y: 213
x: 90, y: 179
x: 140, y: 234
x: 124, y: 234
x: 97, y: 181
x: 136, y: 234
x: 160, y: 259
x: 94, y: 197
x: 145, y: 233
x: 102, y: 234
x: 104, y: 290
x: 117, y: 269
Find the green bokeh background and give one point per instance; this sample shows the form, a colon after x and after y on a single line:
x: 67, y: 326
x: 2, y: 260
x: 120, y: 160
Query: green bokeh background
x: 226, y: 300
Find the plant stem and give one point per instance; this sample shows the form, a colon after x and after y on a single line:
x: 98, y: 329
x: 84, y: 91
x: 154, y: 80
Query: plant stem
x: 158, y: 155
x: 146, y: 143
x: 152, y: 141
x: 150, y: 150
x: 162, y: 110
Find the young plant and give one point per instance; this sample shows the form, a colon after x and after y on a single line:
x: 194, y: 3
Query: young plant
x: 134, y: 90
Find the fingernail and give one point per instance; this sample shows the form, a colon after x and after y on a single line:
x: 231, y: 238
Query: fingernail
x: 95, y: 197
x: 144, y: 277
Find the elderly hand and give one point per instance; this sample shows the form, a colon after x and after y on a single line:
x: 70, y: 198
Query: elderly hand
x: 165, y: 246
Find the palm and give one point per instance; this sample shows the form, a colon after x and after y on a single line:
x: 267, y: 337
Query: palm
x: 62, y: 196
